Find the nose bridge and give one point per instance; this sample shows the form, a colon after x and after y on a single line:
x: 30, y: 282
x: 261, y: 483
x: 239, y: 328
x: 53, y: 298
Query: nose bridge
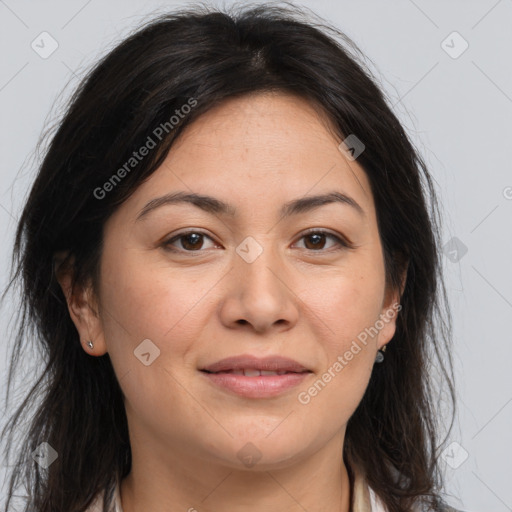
x: 259, y: 294
x: 258, y: 265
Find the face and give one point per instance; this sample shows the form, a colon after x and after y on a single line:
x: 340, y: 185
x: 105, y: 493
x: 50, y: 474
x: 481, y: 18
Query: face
x: 185, y: 285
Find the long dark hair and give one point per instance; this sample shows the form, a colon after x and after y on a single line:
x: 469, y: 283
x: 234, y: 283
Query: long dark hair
x: 206, y: 56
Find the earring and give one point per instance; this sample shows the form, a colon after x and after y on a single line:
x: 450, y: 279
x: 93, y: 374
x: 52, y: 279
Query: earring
x: 380, y: 355
x: 90, y: 344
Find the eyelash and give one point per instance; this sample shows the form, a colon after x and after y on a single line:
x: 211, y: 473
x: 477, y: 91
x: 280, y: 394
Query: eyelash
x: 345, y: 244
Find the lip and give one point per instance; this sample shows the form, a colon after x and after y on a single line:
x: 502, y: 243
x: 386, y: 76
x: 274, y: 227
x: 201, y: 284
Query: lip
x: 262, y: 386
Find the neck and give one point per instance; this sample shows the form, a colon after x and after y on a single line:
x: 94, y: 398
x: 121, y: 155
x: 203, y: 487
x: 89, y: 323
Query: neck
x: 320, y: 483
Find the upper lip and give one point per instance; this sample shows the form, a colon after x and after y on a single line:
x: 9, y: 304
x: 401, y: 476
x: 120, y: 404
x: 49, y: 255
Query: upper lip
x: 244, y: 362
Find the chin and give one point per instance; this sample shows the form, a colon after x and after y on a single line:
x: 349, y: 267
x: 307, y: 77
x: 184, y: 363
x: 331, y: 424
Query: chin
x: 259, y: 452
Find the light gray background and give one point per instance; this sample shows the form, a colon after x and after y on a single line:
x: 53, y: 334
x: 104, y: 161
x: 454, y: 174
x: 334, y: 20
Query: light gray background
x: 458, y: 112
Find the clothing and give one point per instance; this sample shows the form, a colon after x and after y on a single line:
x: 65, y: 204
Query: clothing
x: 364, y: 499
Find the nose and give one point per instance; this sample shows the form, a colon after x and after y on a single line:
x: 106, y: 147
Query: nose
x: 260, y: 294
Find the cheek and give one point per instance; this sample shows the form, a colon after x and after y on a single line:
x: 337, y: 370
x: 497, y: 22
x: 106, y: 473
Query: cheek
x: 346, y: 308
x: 147, y: 301
x: 142, y: 301
x: 348, y: 304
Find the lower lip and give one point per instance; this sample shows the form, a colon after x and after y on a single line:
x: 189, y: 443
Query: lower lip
x: 264, y: 386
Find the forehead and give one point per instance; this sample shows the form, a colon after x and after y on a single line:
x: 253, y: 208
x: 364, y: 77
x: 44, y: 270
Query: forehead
x: 282, y: 132
x: 265, y: 146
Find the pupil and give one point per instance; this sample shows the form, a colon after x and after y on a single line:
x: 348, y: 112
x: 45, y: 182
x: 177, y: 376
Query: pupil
x: 317, y: 238
x: 195, y: 237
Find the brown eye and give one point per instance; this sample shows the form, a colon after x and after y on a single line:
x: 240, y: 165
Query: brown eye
x: 316, y: 240
x: 191, y: 241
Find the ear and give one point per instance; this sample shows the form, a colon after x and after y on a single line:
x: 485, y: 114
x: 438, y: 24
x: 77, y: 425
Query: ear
x: 390, y: 310
x: 82, y: 307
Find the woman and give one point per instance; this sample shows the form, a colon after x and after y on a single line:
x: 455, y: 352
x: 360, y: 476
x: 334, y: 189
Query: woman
x: 230, y: 264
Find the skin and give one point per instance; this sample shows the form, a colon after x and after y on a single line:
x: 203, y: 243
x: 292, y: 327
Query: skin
x: 297, y: 299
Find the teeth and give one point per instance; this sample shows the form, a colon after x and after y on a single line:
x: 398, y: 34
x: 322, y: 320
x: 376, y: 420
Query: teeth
x: 255, y: 373
x: 252, y: 373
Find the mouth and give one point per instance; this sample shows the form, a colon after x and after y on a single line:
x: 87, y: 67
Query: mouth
x: 253, y: 372
x: 249, y: 364
x: 253, y: 377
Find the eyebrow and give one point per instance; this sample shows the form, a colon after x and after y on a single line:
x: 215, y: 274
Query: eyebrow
x: 213, y: 205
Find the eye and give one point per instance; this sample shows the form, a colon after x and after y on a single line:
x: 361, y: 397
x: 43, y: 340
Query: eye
x: 193, y: 241
x: 190, y: 241
x: 315, y: 239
